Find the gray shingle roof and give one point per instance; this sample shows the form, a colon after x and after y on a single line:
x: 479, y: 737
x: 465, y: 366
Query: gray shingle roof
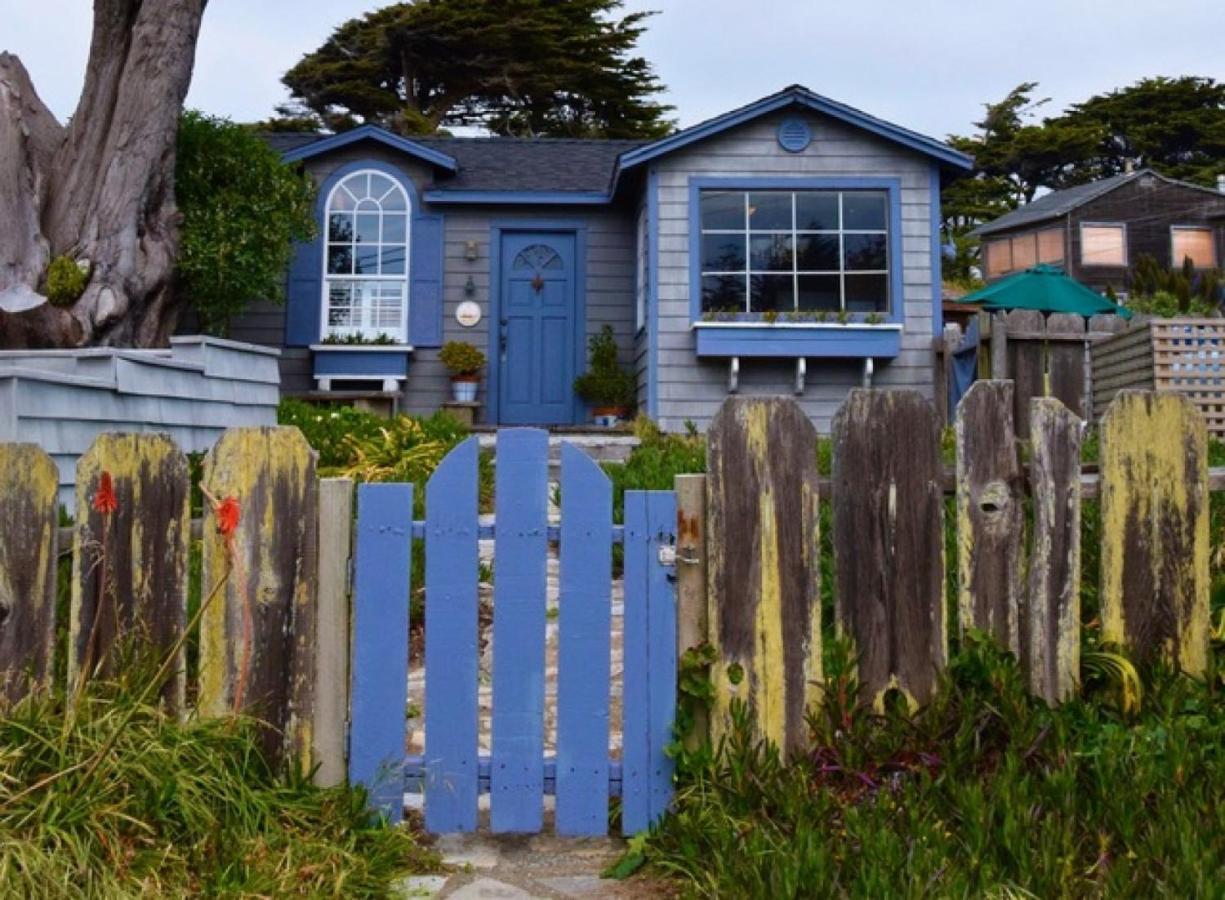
x: 1054, y: 204
x: 509, y: 164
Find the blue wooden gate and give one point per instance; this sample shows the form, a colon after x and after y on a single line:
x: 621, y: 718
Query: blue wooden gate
x: 517, y: 773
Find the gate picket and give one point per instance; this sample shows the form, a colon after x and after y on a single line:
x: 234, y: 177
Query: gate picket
x: 451, y: 536
x: 383, y: 562
x: 517, y: 770
x: 584, y: 624
x: 649, y: 639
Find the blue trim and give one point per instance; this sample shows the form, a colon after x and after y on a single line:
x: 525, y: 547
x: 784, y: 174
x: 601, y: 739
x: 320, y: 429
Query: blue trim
x: 937, y: 258
x: 552, y: 198
x: 838, y: 341
x: 803, y: 98
x: 652, y: 311
x: 794, y: 135
x: 897, y: 296
x: 496, y: 229
x: 373, y: 363
x: 373, y: 133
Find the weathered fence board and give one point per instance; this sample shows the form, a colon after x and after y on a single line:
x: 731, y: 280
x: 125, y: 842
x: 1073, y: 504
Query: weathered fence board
x: 1066, y: 362
x: 517, y: 777
x: 692, y: 612
x: 584, y: 636
x: 257, y: 639
x: 129, y: 573
x: 28, y: 484
x: 1155, y: 577
x: 1050, y: 621
x: 889, y: 540
x: 990, y: 513
x: 649, y: 659
x: 1026, y: 363
x: 763, y: 565
x: 379, y: 692
x: 451, y: 604
x: 332, y: 648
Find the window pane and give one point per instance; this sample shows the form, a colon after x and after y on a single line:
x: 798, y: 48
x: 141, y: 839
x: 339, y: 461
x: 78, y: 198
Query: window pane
x: 379, y: 185
x: 723, y: 293
x: 1050, y: 245
x: 998, y: 254
x: 820, y: 292
x: 394, y: 229
x: 340, y: 260
x: 722, y: 252
x: 385, y: 307
x: 861, y: 209
x: 771, y: 292
x: 864, y: 251
x: 817, y: 252
x: 340, y: 227
x: 1195, y: 243
x: 867, y: 293
x: 341, y: 310
x: 770, y: 211
x: 367, y: 261
x: 722, y: 210
x: 342, y: 200
x: 393, y: 260
x: 368, y: 228
x: 1024, y: 251
x: 816, y: 211
x: 770, y: 252
x: 395, y: 200
x: 1103, y: 245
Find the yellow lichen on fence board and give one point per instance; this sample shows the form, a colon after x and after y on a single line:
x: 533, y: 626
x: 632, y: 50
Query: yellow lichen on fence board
x: 131, y: 562
x: 257, y: 638
x: 29, y: 484
x: 1155, y: 553
x: 762, y: 546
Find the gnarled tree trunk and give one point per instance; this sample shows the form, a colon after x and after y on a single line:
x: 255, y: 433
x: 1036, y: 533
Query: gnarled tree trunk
x: 101, y: 189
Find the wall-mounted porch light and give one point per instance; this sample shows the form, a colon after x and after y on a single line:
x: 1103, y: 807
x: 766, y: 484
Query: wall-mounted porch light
x: 470, y: 251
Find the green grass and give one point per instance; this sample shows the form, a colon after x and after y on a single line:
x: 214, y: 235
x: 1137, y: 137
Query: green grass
x: 174, y: 808
x: 985, y: 793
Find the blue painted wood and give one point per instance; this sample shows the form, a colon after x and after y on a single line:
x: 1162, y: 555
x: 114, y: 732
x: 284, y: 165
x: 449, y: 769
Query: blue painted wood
x: 584, y: 628
x: 372, y: 133
x: 451, y: 717
x: 635, y: 704
x: 425, y: 305
x: 380, y: 643
x: 381, y: 363
x: 517, y: 800
x: 414, y: 775
x: 879, y: 341
x: 537, y: 315
x: 304, y: 292
x: 661, y: 651
x: 649, y: 639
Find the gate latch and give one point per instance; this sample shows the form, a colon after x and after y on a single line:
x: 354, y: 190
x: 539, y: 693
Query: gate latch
x: 667, y: 555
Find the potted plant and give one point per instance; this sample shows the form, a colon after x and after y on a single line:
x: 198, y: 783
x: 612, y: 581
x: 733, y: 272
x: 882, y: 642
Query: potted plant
x: 605, y: 385
x: 465, y: 362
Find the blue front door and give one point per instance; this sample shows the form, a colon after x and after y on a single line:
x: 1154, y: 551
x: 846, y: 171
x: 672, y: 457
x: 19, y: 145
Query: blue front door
x: 537, y: 310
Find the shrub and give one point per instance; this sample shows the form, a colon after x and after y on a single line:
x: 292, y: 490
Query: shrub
x: 655, y: 462
x: 462, y: 358
x: 242, y: 211
x: 605, y: 383
x: 327, y: 428
x: 65, y: 281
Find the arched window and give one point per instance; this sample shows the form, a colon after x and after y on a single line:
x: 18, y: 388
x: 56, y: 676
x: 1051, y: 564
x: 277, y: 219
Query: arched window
x: 365, y: 284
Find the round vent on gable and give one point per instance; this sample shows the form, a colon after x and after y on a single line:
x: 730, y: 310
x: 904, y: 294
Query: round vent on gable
x: 794, y: 135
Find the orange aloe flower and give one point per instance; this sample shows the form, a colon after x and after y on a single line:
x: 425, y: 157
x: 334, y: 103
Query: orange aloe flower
x: 227, y: 512
x: 104, y: 500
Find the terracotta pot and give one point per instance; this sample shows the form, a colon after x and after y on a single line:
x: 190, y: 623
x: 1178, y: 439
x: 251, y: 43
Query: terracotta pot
x: 608, y: 416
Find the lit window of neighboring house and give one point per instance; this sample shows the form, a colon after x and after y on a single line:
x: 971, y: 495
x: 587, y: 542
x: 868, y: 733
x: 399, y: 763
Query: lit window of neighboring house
x: 365, y: 284
x: 778, y: 251
x: 1103, y: 245
x: 1023, y: 251
x: 1193, y: 242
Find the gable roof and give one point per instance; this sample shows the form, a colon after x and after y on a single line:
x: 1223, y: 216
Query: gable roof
x: 800, y: 96
x: 1060, y: 203
x: 372, y: 133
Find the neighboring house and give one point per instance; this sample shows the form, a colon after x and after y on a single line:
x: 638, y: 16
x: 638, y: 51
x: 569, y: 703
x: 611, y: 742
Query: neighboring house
x: 1097, y: 231
x: 787, y: 246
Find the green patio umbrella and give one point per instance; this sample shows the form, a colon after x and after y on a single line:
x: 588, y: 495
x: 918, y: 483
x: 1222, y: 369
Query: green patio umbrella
x: 1046, y: 289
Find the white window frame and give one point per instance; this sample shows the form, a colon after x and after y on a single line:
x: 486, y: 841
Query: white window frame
x: 795, y: 233
x: 367, y: 282
x: 1177, y: 263
x: 1121, y: 226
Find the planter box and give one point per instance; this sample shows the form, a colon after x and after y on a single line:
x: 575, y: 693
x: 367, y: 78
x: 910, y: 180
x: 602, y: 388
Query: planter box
x: 387, y: 363
x: 792, y: 340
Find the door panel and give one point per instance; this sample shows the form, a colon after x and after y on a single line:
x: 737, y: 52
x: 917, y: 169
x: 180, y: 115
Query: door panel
x: 538, y: 294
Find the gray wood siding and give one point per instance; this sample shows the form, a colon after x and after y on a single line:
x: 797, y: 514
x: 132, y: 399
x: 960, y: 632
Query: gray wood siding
x: 609, y: 285
x: 692, y: 389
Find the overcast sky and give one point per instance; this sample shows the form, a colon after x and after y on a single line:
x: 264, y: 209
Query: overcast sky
x: 925, y: 64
